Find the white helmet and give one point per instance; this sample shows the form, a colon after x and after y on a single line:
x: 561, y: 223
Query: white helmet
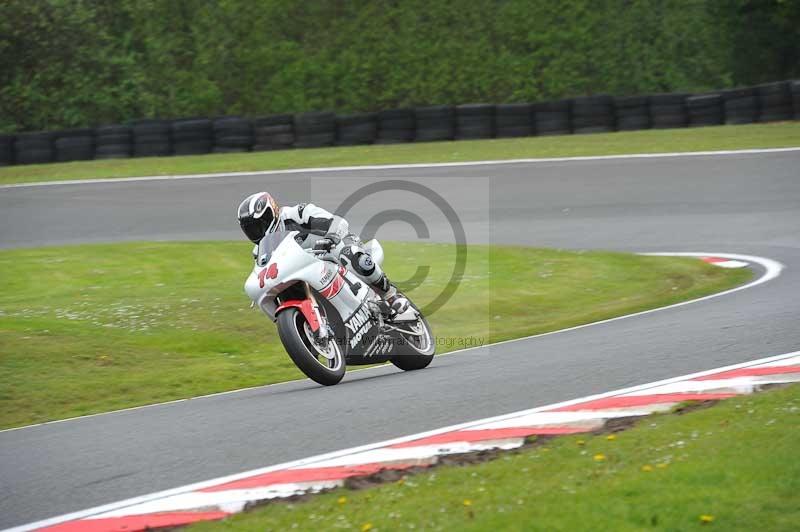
x: 259, y: 214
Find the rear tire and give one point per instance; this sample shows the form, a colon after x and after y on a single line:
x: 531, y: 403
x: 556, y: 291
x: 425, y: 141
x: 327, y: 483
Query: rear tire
x: 293, y: 331
x: 413, y: 356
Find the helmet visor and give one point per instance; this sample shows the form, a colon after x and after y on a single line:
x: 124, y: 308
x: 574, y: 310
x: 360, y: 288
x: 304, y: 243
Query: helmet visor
x: 256, y: 228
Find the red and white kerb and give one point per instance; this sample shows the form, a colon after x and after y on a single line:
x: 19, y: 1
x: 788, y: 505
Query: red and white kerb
x: 220, y: 498
x: 723, y: 262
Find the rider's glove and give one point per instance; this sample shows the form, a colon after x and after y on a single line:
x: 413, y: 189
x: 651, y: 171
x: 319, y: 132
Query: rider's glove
x: 334, y: 238
x: 327, y: 243
x: 323, y: 244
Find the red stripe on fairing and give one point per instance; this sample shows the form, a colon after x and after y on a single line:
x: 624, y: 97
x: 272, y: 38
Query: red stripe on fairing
x: 488, y: 434
x: 625, y: 401
x: 309, y: 474
x: 333, y: 288
x: 749, y: 372
x: 131, y: 523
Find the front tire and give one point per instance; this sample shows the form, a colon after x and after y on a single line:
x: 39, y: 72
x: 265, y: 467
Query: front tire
x: 325, y: 366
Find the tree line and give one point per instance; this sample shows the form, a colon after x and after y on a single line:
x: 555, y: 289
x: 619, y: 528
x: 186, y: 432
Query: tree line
x: 70, y: 63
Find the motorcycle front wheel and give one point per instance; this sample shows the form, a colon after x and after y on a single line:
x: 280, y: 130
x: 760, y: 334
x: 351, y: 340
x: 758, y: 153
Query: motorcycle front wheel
x: 322, y: 362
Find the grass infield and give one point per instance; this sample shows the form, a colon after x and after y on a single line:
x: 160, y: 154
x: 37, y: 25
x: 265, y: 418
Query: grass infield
x: 93, y: 328
x: 730, y: 467
x: 774, y: 135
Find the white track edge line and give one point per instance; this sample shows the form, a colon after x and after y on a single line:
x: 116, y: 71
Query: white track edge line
x: 404, y: 166
x: 354, y: 450
x: 772, y: 268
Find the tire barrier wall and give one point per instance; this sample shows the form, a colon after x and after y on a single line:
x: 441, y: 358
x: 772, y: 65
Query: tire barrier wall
x: 769, y: 102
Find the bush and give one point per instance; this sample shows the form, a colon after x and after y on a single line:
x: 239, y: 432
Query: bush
x: 80, y: 63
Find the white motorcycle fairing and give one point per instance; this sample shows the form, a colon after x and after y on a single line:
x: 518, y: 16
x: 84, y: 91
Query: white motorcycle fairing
x: 281, y: 262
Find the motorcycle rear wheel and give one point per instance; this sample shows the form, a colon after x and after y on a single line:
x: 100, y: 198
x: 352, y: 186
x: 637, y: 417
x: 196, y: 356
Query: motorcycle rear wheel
x: 418, y: 351
x: 306, y: 352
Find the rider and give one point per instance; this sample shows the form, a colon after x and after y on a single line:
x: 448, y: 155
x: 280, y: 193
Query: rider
x: 260, y: 214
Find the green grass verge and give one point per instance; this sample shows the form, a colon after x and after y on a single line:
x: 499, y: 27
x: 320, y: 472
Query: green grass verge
x: 730, y: 467
x: 775, y: 135
x: 93, y: 328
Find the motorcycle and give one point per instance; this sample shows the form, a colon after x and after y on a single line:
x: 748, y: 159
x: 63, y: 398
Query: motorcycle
x: 327, y: 316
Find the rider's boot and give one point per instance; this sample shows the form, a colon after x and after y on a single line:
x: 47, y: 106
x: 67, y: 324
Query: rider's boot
x: 378, y: 280
x: 397, y: 302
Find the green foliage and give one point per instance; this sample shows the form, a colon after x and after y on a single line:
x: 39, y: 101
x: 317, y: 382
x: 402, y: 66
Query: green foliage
x: 59, y: 65
x: 80, y: 62
x: 764, y: 35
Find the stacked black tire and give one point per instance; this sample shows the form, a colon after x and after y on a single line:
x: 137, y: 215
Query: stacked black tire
x: 151, y: 138
x: 668, y: 111
x: 274, y: 132
x: 632, y: 113
x: 113, y: 142
x: 774, y: 102
x: 192, y: 136
x: 7, y: 149
x: 396, y: 125
x: 474, y: 121
x: 593, y: 114
x: 355, y: 129
x: 74, y: 145
x: 232, y: 134
x: 553, y: 118
x: 436, y: 122
x: 513, y: 120
x: 705, y: 110
x: 600, y: 113
x: 34, y: 148
x: 741, y: 105
x: 314, y: 130
x: 794, y: 88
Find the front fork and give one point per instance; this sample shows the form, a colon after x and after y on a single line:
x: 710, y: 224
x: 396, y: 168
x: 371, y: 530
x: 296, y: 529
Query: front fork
x: 322, y: 332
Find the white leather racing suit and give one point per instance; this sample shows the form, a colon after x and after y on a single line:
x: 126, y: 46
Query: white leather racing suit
x: 347, y: 248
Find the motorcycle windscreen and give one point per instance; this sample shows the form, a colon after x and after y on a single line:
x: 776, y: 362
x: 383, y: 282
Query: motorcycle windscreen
x: 268, y: 245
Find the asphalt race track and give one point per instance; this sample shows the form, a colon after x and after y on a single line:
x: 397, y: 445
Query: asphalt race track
x: 743, y: 203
